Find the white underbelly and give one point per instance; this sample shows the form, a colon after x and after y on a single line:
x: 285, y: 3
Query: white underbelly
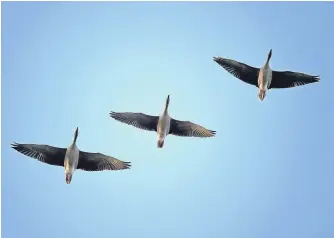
x: 163, y: 126
x: 71, y: 159
x: 264, y: 79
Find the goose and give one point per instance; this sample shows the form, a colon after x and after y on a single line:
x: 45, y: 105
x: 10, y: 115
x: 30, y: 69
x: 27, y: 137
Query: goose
x: 163, y: 124
x: 265, y: 78
x: 71, y: 158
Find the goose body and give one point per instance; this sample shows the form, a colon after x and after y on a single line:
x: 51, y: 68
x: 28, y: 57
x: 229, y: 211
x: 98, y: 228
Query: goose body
x: 163, y: 124
x: 71, y: 158
x: 265, y: 78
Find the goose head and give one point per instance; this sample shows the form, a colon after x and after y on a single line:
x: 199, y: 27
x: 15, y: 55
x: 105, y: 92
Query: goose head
x: 167, y: 103
x: 76, y: 135
x: 269, y: 56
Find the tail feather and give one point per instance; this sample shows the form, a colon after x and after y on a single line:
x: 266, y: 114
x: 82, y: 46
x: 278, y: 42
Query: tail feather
x: 160, y: 143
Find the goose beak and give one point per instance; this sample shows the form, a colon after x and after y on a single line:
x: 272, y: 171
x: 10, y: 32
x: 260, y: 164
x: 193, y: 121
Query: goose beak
x: 167, y: 100
x: 68, y: 178
x: 76, y: 134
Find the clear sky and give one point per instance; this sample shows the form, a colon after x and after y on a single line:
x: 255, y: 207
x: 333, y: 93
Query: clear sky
x: 269, y: 171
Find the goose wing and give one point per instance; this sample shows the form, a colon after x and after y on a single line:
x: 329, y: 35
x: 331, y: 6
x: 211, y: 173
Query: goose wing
x: 242, y: 71
x: 98, y: 162
x: 288, y: 79
x: 44, y: 153
x: 187, y: 128
x: 139, y: 120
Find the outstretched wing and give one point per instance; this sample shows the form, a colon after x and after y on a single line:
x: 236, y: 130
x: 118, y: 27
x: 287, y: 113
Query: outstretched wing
x: 44, y: 153
x: 98, y: 162
x: 288, y: 79
x: 242, y: 71
x: 187, y: 128
x: 139, y: 120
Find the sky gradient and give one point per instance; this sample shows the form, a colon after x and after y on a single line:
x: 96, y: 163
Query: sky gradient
x: 268, y: 172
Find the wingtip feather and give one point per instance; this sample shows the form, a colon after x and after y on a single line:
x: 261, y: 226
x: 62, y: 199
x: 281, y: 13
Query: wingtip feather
x: 14, y: 145
x: 127, y: 165
x: 114, y: 115
x: 217, y: 59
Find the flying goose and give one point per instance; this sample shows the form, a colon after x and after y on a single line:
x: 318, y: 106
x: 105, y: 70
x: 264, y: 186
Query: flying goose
x: 71, y: 158
x: 265, y: 78
x: 163, y: 124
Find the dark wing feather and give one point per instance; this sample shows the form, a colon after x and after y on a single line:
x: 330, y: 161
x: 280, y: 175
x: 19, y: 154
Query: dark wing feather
x: 98, y: 162
x: 242, y: 71
x: 139, y: 120
x: 44, y: 153
x: 288, y: 79
x: 187, y: 128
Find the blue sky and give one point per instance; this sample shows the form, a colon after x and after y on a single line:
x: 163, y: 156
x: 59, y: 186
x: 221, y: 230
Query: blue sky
x: 268, y: 172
